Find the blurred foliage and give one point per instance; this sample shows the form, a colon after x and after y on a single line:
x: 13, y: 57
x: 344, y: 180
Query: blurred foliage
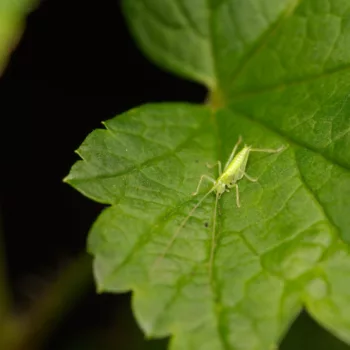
x: 12, y: 23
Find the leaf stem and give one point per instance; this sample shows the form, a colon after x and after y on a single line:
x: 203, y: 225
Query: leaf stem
x: 215, y: 99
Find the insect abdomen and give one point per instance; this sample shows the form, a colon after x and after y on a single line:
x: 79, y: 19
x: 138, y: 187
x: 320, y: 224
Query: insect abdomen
x: 236, y: 168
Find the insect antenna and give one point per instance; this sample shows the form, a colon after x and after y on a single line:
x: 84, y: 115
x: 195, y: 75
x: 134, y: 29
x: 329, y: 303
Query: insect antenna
x: 213, y: 242
x: 183, y: 223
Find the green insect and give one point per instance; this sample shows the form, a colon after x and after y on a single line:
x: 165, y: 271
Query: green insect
x: 234, y: 171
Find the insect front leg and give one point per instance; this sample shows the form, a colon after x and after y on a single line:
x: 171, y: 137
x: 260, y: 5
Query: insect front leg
x: 200, y: 183
x: 218, y: 164
x: 237, y: 193
x: 237, y: 196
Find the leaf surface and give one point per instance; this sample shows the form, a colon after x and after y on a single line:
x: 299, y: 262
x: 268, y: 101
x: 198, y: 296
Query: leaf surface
x: 281, y: 71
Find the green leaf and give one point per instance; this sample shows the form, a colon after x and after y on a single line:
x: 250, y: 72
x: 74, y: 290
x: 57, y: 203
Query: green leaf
x: 282, y: 76
x: 175, y: 34
x: 12, y: 13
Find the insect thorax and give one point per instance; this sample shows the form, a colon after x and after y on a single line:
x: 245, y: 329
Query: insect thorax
x: 220, y: 187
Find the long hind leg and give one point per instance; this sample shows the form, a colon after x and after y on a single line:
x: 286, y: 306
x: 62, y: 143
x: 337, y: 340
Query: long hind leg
x: 268, y: 150
x: 252, y: 179
x: 263, y: 150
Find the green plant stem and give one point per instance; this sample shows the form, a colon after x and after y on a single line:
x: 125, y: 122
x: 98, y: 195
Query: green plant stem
x: 28, y: 331
x: 214, y: 99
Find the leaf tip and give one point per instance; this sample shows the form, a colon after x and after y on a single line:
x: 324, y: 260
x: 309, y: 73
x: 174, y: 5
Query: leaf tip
x: 67, y: 179
x: 77, y: 151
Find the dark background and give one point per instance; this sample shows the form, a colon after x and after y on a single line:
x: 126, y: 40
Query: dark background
x: 75, y: 66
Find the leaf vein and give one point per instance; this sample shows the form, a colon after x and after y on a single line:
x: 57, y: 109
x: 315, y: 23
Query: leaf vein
x: 150, y: 161
x: 262, y: 40
x: 292, y: 140
x: 280, y: 86
x: 316, y: 199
